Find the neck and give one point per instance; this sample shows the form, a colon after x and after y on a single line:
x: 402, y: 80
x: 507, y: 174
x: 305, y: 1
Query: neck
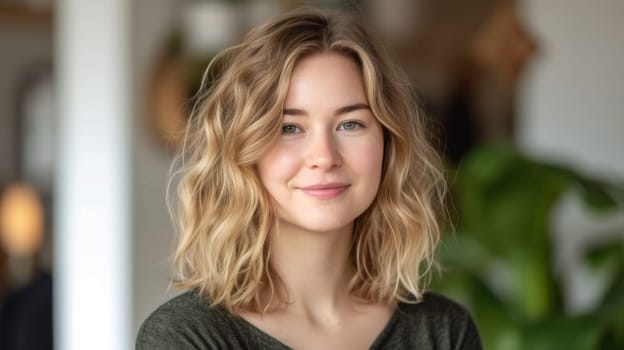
x: 314, y: 268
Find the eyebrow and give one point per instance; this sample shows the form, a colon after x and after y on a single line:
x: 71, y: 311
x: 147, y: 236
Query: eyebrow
x: 339, y: 111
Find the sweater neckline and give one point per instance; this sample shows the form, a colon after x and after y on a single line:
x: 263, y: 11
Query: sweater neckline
x: 270, y: 340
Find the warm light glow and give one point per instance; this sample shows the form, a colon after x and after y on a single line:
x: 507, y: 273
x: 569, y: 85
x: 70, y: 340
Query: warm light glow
x: 21, y: 220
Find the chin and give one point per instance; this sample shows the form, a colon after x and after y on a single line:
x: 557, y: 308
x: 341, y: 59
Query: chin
x: 321, y: 224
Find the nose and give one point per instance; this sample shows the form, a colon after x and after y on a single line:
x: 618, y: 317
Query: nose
x: 322, y: 151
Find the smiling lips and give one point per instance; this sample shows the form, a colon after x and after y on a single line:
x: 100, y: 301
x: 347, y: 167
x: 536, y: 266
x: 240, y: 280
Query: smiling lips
x: 325, y: 191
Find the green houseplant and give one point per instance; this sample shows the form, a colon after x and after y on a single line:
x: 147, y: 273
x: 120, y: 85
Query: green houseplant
x: 499, y: 260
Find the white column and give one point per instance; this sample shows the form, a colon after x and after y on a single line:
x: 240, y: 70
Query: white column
x: 92, y: 271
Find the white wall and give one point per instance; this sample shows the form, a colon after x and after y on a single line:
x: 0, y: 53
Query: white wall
x: 152, y: 22
x: 573, y: 105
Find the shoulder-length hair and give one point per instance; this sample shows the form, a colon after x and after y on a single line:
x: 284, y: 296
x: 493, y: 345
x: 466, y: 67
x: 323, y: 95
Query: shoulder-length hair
x: 225, y: 217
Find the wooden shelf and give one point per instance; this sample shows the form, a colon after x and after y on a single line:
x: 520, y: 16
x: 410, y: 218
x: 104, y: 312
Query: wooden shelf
x: 22, y: 15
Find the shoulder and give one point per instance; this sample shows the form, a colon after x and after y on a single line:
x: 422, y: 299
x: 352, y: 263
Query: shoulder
x: 439, y: 322
x: 181, y: 310
x: 437, y: 307
x: 188, y: 321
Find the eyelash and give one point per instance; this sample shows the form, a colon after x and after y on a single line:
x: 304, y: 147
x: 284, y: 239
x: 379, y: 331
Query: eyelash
x: 357, y: 125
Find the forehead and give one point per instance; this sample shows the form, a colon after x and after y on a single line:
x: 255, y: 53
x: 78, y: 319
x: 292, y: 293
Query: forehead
x: 325, y: 79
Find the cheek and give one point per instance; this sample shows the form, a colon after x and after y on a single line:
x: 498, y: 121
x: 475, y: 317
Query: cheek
x: 368, y: 159
x: 277, y: 164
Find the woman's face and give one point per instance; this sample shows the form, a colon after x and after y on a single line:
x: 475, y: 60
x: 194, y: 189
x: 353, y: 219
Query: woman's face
x: 325, y: 168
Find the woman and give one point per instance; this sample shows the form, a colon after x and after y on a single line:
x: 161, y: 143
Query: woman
x: 307, y: 202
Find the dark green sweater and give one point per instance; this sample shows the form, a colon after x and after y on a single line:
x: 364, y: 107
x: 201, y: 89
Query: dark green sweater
x: 188, y: 322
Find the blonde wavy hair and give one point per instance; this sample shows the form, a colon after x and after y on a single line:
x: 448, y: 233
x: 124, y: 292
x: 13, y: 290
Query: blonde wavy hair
x: 225, y: 216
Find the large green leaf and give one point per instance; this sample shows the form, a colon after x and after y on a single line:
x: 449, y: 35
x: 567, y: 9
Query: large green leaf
x: 561, y: 332
x: 504, y: 203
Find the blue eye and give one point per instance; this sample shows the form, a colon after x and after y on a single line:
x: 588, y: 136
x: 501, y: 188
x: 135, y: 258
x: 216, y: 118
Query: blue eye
x: 290, y: 129
x: 350, y: 125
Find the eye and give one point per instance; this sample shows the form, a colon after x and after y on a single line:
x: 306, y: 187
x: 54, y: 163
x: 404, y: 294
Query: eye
x: 288, y: 129
x: 350, y: 125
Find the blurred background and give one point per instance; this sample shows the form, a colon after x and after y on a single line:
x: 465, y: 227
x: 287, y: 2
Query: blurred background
x: 524, y: 99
